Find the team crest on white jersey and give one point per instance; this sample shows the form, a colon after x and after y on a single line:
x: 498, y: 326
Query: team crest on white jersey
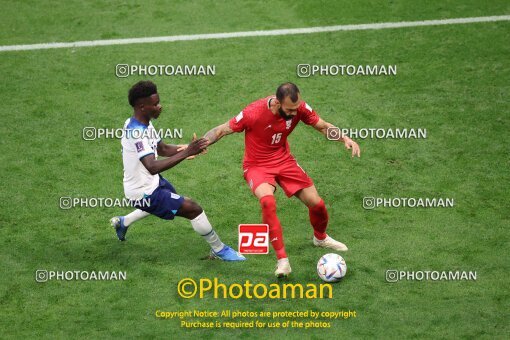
x: 139, y: 146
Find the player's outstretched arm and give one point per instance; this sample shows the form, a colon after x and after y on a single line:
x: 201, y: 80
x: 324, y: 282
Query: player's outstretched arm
x: 156, y: 166
x: 168, y: 150
x: 327, y: 128
x: 215, y: 134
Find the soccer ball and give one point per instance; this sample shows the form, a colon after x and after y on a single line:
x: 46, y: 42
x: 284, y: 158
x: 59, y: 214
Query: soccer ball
x: 331, y: 267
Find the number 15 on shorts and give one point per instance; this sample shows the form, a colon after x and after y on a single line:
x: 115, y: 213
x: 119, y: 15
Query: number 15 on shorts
x: 254, y: 238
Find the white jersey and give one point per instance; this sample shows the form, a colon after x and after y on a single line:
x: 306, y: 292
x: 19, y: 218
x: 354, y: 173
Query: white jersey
x: 138, y: 141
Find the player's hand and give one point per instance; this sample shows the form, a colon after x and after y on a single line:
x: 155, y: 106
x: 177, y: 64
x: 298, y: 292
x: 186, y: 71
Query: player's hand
x: 181, y: 147
x: 352, y: 145
x: 196, y: 146
x: 195, y: 138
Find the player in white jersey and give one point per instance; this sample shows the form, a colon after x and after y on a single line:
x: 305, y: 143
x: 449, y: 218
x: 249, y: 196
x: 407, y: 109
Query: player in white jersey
x: 138, y: 141
x: 143, y: 184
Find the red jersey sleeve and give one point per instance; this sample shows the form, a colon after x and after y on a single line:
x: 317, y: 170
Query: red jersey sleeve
x: 307, y: 114
x: 244, y: 120
x: 239, y: 123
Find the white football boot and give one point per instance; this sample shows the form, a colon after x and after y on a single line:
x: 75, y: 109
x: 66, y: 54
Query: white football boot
x: 282, y: 268
x: 328, y: 242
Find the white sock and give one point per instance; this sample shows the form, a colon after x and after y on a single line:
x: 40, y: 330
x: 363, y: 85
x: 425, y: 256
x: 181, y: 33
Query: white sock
x: 134, y: 216
x: 202, y: 226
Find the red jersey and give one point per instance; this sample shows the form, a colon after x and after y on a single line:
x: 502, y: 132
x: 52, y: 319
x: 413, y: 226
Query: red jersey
x: 265, y: 133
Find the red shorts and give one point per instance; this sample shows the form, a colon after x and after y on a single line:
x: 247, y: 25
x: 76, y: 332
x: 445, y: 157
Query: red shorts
x: 289, y: 175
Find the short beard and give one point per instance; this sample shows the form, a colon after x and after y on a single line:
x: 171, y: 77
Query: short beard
x: 284, y: 115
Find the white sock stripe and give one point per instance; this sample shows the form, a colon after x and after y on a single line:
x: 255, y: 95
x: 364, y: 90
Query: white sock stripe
x: 212, y: 231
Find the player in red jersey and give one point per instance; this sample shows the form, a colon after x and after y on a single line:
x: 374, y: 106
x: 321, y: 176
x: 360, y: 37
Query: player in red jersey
x: 267, y: 161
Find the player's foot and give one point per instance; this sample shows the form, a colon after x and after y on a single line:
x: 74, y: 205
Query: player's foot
x: 282, y: 268
x: 227, y: 254
x: 117, y: 223
x: 328, y: 242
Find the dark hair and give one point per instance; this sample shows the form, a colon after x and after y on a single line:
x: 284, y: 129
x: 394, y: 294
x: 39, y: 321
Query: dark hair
x: 287, y: 90
x: 142, y: 89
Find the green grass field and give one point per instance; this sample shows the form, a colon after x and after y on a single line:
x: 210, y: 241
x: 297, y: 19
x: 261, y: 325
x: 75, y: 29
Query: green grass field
x: 452, y: 80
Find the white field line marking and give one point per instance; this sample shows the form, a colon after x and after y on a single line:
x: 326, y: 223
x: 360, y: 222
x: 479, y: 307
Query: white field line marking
x: 171, y: 38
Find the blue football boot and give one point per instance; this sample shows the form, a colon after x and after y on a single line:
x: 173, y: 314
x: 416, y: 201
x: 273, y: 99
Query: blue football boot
x: 117, y: 223
x: 227, y: 254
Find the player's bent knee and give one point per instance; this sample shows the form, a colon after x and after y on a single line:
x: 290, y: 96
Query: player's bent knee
x: 190, y: 209
x: 264, y: 189
x: 314, y: 201
x: 195, y: 209
x: 309, y: 196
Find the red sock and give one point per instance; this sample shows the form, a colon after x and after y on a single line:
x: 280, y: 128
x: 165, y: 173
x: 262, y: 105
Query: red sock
x: 268, y: 204
x: 319, y: 219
